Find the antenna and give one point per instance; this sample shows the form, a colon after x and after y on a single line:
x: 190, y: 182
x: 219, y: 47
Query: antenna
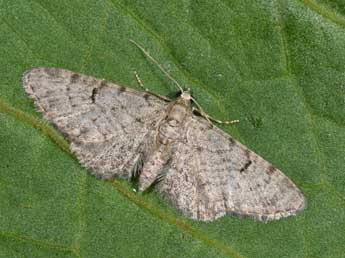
x: 158, y: 64
x: 199, y: 109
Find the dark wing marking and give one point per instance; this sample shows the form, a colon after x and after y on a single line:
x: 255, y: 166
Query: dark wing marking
x: 108, y: 125
x: 211, y: 174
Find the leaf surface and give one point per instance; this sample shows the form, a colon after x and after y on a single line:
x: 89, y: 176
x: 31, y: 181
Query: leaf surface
x: 277, y: 66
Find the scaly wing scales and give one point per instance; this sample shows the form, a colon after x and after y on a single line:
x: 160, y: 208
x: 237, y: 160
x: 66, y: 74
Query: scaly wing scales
x: 211, y: 174
x: 108, y: 125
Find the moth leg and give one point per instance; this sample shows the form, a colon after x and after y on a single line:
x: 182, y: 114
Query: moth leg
x: 209, y: 118
x: 147, y: 90
x: 199, y: 109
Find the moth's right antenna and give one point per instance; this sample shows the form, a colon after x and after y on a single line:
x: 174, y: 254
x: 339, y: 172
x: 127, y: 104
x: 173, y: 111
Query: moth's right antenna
x: 158, y: 64
x: 199, y: 109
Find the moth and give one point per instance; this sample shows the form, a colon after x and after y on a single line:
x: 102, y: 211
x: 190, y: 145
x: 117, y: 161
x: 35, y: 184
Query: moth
x: 116, y: 131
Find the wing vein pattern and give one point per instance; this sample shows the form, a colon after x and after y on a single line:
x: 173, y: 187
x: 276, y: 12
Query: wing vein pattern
x: 117, y: 131
x: 108, y: 125
x: 212, y: 175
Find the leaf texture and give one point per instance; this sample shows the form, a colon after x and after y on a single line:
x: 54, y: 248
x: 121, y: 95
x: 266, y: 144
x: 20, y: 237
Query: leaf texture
x: 277, y: 66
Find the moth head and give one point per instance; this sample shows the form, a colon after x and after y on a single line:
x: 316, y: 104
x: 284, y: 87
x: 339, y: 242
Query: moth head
x: 186, y: 94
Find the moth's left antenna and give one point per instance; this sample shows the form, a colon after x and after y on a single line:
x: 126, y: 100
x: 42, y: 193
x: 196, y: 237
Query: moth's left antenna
x: 158, y: 64
x: 199, y: 109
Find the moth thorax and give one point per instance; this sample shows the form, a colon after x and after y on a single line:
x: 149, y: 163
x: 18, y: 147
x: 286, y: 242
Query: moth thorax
x: 177, y: 115
x: 169, y: 128
x: 168, y: 134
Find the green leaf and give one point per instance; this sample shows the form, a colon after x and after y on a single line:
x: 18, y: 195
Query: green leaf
x: 277, y: 66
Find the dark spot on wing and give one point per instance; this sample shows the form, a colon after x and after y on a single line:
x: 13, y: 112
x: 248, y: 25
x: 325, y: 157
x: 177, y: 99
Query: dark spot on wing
x: 93, y: 81
x: 210, y: 125
x: 199, y: 149
x: 139, y: 120
x: 103, y: 83
x: 246, y: 166
x: 74, y: 78
x: 232, y: 141
x: 53, y: 72
x: 121, y: 90
x: 247, y: 153
x: 146, y: 96
x: 271, y: 169
x: 85, y: 80
x: 93, y: 95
